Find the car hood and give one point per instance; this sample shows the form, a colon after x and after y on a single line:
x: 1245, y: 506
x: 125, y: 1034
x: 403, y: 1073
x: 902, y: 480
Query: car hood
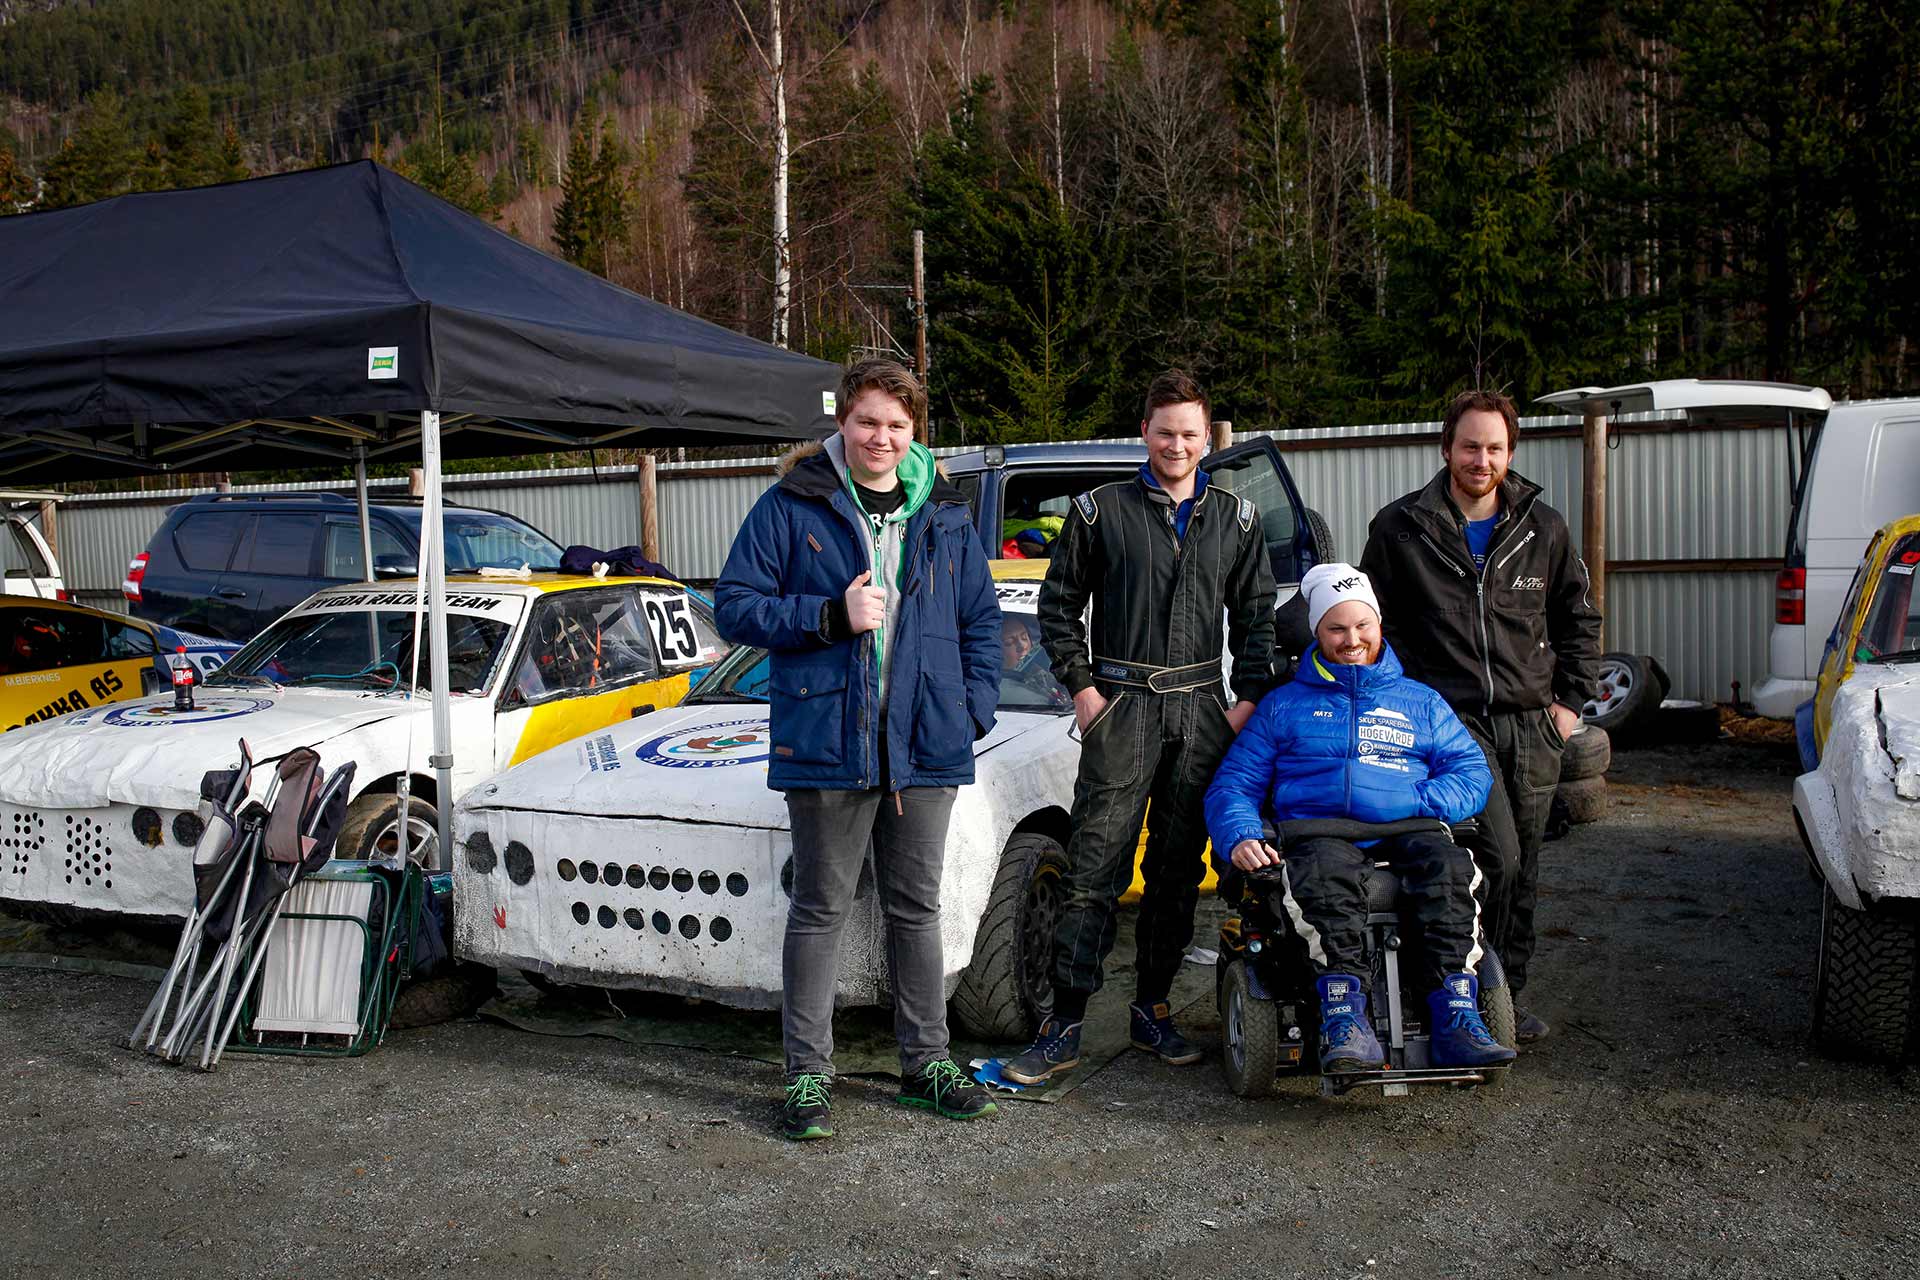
x: 144, y: 752
x: 706, y: 762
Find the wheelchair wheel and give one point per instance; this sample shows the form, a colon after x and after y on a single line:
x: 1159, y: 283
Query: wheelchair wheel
x: 1496, y: 1008
x: 1250, y: 1030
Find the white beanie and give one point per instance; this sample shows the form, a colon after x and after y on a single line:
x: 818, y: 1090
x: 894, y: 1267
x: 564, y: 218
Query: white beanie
x: 1326, y: 585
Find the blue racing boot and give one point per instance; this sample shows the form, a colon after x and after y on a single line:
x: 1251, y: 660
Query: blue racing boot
x: 1347, y: 1042
x: 1460, y: 1037
x: 1055, y: 1048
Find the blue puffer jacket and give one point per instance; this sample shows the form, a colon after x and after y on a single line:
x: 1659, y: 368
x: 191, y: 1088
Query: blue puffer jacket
x: 1365, y: 743
x: 799, y: 548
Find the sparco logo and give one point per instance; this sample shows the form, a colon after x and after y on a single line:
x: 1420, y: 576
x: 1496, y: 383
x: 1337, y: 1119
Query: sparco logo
x: 1529, y: 584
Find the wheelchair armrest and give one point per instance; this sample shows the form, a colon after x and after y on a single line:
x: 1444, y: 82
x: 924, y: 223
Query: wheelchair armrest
x: 1292, y: 832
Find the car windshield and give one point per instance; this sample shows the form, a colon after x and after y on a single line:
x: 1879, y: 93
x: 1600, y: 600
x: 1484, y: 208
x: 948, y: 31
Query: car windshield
x: 483, y: 539
x: 1026, y: 682
x: 365, y: 650
x: 1891, y: 632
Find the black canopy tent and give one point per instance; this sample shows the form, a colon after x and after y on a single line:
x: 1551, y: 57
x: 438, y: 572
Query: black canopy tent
x: 344, y: 314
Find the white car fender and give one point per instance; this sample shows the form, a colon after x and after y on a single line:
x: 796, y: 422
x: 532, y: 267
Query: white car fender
x: 1815, y: 805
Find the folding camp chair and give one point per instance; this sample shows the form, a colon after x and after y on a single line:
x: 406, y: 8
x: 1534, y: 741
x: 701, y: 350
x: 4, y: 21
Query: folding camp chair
x: 267, y: 848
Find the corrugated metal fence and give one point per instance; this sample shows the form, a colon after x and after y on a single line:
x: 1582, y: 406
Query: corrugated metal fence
x: 1695, y: 516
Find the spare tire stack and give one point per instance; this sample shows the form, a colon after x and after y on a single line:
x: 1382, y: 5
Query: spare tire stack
x: 1583, y: 781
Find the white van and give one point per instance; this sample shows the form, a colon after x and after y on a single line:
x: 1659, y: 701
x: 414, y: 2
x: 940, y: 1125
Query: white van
x: 1862, y: 469
x: 27, y: 561
x: 1850, y: 469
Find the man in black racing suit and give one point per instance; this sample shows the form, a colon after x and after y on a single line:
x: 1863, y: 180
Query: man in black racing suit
x: 1486, y: 601
x: 1163, y: 556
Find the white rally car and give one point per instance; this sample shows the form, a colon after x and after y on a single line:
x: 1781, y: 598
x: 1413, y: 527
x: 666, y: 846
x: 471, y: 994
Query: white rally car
x: 99, y: 811
x: 652, y: 855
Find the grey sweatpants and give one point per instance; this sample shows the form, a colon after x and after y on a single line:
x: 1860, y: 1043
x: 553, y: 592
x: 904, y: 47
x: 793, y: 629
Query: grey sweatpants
x: 832, y: 833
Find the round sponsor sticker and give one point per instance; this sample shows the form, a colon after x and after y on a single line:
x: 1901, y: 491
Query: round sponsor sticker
x: 207, y: 709
x: 710, y: 746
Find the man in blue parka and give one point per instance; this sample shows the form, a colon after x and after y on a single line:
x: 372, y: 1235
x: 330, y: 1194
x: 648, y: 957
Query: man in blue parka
x: 1352, y: 737
x: 861, y: 573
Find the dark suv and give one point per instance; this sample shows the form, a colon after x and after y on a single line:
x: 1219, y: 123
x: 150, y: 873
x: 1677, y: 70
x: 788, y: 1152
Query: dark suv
x: 226, y: 565
x: 1011, y: 487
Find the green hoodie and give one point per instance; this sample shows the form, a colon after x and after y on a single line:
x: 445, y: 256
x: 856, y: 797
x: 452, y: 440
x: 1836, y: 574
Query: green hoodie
x: 886, y: 544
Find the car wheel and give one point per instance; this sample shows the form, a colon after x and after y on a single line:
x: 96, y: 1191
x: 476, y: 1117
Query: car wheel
x: 1249, y: 1034
x: 1863, y: 982
x: 370, y: 831
x: 1588, y: 753
x: 1586, y: 799
x: 1630, y: 694
x: 1006, y: 990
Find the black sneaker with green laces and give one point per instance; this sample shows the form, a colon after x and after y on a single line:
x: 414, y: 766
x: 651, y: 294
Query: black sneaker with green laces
x: 943, y: 1087
x: 808, y: 1110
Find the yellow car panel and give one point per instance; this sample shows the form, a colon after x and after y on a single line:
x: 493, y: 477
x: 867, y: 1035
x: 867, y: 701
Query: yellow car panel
x: 1845, y: 653
x: 565, y: 719
x: 32, y: 696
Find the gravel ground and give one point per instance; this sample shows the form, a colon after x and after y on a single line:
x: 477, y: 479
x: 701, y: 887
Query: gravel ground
x: 1675, y: 1125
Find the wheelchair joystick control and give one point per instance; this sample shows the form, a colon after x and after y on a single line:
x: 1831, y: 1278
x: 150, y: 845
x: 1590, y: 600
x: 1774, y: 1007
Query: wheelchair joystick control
x: 182, y: 680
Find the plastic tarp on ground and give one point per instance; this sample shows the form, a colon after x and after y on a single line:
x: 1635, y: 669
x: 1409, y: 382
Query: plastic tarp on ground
x: 283, y: 321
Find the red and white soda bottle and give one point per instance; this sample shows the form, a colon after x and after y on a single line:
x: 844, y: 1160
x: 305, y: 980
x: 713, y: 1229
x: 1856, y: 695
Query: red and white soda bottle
x: 183, y: 680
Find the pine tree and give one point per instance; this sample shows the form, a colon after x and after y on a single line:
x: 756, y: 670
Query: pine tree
x: 16, y: 187
x: 95, y: 162
x: 233, y: 158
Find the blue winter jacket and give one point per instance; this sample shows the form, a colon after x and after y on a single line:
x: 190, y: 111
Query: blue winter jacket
x: 799, y: 548
x: 1366, y: 743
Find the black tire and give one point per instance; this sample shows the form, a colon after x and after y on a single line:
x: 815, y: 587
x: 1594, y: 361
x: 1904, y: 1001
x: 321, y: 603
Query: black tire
x: 1007, y: 989
x: 373, y: 819
x: 1660, y: 676
x: 1249, y: 1036
x: 1496, y: 1007
x: 1863, y: 982
x: 1685, y: 721
x: 1496, y: 1010
x: 1586, y: 799
x: 1324, y: 551
x: 1629, y: 697
x: 1588, y: 754
x: 444, y: 997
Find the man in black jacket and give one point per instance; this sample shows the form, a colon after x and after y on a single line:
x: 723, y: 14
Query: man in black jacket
x: 1486, y: 601
x: 1163, y: 557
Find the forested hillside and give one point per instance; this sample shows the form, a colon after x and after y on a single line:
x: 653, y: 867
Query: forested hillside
x: 1333, y: 210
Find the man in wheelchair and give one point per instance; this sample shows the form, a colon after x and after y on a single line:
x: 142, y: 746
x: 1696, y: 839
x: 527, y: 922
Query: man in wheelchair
x: 1351, y: 737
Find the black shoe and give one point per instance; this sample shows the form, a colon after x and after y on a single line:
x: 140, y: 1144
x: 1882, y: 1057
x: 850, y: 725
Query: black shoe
x: 808, y: 1110
x: 1153, y: 1031
x: 943, y: 1087
x: 1055, y: 1048
x: 1529, y: 1028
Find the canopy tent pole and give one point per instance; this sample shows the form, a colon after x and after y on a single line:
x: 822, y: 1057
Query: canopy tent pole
x: 360, y: 496
x: 433, y: 540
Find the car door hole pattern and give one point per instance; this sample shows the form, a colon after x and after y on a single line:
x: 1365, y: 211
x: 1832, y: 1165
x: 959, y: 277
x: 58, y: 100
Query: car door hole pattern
x: 519, y: 863
x: 89, y: 856
x: 25, y: 836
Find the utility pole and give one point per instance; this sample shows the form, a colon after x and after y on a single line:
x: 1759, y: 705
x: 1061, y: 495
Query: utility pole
x: 920, y: 317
